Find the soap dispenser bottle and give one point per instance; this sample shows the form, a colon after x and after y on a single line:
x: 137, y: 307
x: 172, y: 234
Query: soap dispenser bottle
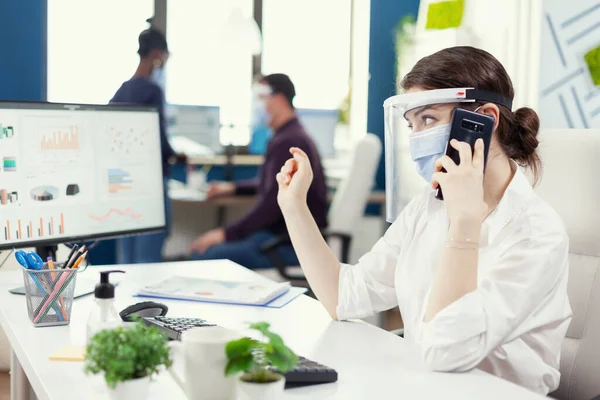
x: 103, y: 314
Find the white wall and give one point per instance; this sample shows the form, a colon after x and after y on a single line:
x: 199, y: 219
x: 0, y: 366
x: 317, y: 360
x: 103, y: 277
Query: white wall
x: 568, y: 98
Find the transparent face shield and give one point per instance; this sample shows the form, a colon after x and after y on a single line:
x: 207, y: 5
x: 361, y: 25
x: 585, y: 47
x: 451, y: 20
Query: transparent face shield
x: 395, y: 110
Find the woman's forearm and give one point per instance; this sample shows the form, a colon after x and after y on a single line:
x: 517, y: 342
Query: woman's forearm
x: 456, y: 274
x: 319, y: 263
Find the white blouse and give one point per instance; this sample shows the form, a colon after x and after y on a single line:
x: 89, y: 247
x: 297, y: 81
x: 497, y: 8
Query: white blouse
x: 512, y: 325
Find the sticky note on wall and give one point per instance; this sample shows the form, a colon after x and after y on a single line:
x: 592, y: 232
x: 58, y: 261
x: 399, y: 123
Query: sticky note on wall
x: 445, y: 14
x: 592, y: 59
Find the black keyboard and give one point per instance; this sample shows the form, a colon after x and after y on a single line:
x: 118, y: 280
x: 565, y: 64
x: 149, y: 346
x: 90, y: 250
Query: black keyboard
x: 307, y: 372
x: 174, y: 327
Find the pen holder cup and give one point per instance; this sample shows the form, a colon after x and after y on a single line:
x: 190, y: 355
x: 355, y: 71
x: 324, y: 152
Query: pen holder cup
x: 49, y: 295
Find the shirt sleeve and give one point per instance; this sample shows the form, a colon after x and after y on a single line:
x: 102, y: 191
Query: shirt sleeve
x: 266, y: 210
x: 464, y: 333
x: 368, y: 287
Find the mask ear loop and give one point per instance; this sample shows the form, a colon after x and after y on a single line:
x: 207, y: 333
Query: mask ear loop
x: 477, y: 109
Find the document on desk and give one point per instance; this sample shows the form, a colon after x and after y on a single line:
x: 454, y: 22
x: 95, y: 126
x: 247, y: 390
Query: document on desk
x: 228, y: 292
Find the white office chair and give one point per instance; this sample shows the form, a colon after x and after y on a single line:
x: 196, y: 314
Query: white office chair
x: 570, y: 185
x: 347, y: 206
x: 352, y: 195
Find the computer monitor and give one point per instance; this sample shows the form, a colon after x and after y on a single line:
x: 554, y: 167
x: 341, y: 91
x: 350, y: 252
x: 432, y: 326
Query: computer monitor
x: 200, y: 124
x: 78, y: 172
x: 320, y: 126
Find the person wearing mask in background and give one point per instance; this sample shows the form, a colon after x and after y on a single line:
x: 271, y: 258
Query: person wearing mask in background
x: 147, y: 87
x: 480, y: 277
x: 240, y: 242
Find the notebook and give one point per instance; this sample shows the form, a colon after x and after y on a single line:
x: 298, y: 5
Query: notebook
x: 216, y: 291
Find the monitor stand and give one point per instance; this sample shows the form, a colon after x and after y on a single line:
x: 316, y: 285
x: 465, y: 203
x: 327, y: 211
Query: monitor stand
x: 47, y: 251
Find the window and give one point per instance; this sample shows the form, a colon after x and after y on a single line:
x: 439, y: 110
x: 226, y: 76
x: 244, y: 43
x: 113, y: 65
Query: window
x: 92, y: 47
x: 309, y: 40
x: 201, y: 72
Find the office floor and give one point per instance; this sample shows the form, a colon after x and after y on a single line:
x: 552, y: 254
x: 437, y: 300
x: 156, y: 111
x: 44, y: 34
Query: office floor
x: 4, y: 386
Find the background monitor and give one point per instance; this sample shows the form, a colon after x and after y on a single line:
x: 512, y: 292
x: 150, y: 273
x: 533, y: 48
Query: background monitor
x: 198, y: 124
x: 320, y: 126
x: 77, y: 172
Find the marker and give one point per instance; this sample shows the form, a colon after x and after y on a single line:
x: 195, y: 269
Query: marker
x: 75, y: 257
x: 73, y: 250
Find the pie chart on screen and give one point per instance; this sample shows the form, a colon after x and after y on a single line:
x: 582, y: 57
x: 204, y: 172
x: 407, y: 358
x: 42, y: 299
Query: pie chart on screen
x: 44, y: 193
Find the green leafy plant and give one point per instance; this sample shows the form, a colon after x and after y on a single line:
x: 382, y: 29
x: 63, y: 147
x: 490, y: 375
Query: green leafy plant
x: 344, y: 109
x: 127, y: 353
x: 257, y: 358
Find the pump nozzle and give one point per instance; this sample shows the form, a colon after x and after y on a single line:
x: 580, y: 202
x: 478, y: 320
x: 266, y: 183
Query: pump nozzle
x: 105, y: 289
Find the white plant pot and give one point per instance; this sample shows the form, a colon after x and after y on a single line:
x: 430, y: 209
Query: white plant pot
x: 135, y: 389
x: 260, y: 391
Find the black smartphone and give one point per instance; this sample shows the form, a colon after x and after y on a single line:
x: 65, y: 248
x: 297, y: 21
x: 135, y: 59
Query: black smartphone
x: 468, y: 126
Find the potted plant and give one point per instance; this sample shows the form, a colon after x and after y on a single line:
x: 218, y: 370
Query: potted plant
x: 128, y: 357
x: 262, y: 362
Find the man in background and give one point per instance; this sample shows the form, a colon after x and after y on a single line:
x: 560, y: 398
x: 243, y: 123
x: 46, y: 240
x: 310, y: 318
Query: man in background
x: 240, y: 241
x: 147, y: 87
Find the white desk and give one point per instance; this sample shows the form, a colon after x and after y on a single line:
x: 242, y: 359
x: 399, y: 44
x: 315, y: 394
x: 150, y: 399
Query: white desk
x: 371, y: 363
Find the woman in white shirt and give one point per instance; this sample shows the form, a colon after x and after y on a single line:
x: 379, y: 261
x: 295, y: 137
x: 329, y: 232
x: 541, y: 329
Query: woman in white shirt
x: 481, y: 277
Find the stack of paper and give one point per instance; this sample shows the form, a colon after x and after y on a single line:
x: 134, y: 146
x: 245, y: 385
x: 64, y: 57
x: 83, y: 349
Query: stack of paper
x: 248, y: 293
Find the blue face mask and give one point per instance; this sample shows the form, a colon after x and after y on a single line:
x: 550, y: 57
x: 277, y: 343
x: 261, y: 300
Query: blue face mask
x: 158, y: 77
x: 261, y: 133
x: 427, y: 146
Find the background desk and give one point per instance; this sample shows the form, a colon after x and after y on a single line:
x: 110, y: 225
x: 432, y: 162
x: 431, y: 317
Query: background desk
x: 371, y: 363
x: 193, y: 215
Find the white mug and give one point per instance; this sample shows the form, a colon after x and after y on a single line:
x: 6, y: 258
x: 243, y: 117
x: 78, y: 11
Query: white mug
x: 203, y: 353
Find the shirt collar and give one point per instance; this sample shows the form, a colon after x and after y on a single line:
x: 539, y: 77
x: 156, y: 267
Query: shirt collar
x: 289, y: 122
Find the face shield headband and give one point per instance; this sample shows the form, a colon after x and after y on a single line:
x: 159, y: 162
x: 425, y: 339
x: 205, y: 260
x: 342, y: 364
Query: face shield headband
x: 395, y: 109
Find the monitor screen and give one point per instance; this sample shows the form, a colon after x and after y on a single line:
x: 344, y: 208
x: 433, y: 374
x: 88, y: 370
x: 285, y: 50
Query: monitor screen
x: 72, y: 172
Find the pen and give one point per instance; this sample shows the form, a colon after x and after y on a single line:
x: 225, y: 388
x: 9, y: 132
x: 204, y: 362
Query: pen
x: 63, y: 282
x: 73, y: 259
x: 79, y: 260
x: 60, y: 298
x: 73, y: 250
x: 51, y: 266
x: 77, y: 256
x: 60, y: 286
x: 45, y: 290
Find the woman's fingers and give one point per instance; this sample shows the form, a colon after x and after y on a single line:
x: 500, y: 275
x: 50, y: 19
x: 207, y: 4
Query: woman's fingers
x: 297, y: 150
x: 279, y: 179
x: 438, y: 179
x: 479, y: 155
x: 301, y: 158
x: 464, y: 151
x: 444, y: 162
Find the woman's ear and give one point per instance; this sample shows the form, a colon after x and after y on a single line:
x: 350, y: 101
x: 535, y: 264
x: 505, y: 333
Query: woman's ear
x: 492, y: 110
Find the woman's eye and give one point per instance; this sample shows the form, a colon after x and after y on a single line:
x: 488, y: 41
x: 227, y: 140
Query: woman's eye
x: 428, y: 120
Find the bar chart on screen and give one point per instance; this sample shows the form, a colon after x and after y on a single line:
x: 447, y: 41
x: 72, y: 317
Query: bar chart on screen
x: 9, y: 164
x: 119, y: 180
x: 38, y: 228
x: 59, y: 139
